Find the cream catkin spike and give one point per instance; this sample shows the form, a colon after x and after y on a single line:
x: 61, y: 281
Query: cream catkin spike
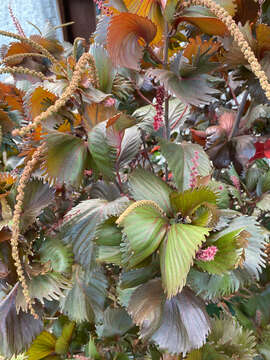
x: 238, y: 36
x: 16, y: 225
x: 22, y: 70
x: 32, y: 43
x: 69, y: 91
x: 135, y: 205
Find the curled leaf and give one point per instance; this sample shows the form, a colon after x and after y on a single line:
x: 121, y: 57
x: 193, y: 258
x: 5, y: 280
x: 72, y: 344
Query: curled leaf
x: 124, y: 36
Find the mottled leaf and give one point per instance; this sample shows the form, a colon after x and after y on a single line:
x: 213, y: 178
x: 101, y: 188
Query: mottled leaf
x: 65, y: 158
x: 179, y: 158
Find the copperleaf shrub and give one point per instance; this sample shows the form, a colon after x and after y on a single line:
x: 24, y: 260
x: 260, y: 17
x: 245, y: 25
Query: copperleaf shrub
x: 134, y: 186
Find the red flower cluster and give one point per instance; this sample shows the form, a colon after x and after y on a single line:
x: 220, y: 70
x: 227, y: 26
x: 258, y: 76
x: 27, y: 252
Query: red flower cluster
x: 207, y: 254
x: 262, y: 150
x: 158, y: 118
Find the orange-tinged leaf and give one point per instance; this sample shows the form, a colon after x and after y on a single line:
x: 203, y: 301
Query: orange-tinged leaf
x: 11, y: 96
x: 53, y: 46
x: 197, y: 46
x: 64, y: 127
x: 150, y: 9
x: 6, y: 123
x: 39, y: 100
x: 263, y: 37
x: 96, y: 113
x: 125, y: 33
x: 16, y: 48
x: 207, y: 24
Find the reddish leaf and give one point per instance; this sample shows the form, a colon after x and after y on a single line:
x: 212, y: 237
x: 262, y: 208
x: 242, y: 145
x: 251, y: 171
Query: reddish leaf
x: 125, y: 33
x: 16, y: 48
x: 150, y: 9
x: 53, y: 46
x: 198, y: 137
x: 247, y: 10
x: 39, y: 100
x: 197, y: 47
x: 12, y: 96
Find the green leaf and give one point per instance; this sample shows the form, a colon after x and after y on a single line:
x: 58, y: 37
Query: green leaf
x: 264, y: 203
x: 254, y: 255
x: 62, y: 343
x: 85, y: 300
x: 194, y: 89
x: 104, y: 66
x: 212, y: 287
x: 17, y: 329
x: 59, y: 255
x: 109, y: 254
x: 144, y: 228
x: 42, y: 346
x: 179, y: 158
x: 65, y: 159
x: 37, y: 196
x: 177, y: 253
x: 226, y: 256
x: 108, y: 234
x: 50, y: 286
x: 229, y: 338
x: 102, y: 152
x: 144, y: 185
x: 81, y: 222
x: 92, y: 350
x: 116, y: 322
x: 108, y: 239
x: 170, y: 9
x: 135, y: 277
x: 190, y: 200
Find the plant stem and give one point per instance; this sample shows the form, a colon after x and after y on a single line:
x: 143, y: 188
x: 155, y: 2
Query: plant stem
x: 166, y: 101
x: 239, y: 116
x: 145, y: 150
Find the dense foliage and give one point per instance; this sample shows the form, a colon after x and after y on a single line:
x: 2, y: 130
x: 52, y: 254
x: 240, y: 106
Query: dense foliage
x: 135, y: 186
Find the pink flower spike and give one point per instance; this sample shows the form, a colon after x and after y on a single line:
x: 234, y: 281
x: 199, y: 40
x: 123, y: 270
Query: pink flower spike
x: 207, y: 254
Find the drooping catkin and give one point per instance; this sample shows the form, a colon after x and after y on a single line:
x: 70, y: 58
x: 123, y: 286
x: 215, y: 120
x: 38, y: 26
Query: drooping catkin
x: 69, y: 91
x: 15, y: 57
x: 32, y: 43
x: 239, y: 38
x: 22, y: 70
x: 16, y: 225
